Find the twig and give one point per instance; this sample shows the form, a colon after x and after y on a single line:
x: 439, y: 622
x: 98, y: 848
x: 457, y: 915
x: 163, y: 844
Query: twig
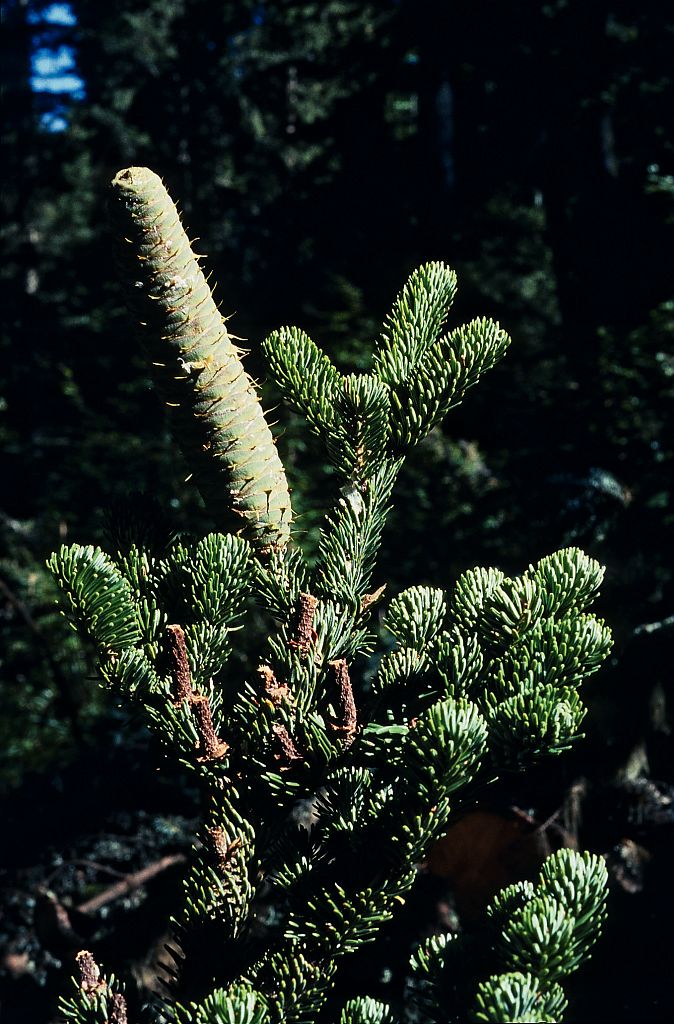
x: 81, y: 863
x: 130, y: 882
x: 653, y: 627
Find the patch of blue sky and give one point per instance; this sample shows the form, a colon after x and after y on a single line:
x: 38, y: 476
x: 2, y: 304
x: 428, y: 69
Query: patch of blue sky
x: 53, y: 14
x: 53, y: 122
x: 54, y: 71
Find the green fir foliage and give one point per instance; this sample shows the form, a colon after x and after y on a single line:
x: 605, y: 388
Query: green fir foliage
x: 365, y: 1011
x: 483, y: 675
x: 537, y: 935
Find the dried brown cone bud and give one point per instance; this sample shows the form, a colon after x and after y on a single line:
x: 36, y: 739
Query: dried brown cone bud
x: 341, y: 693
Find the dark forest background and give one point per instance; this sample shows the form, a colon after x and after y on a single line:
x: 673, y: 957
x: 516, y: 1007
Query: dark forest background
x: 320, y: 151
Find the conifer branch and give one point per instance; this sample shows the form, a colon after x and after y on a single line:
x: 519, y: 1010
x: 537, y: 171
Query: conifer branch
x: 484, y: 675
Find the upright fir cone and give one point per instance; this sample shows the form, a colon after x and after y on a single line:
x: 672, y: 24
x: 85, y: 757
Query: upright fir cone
x: 218, y: 419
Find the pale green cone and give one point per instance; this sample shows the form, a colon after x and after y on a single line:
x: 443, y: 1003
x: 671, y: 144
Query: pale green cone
x: 217, y: 416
